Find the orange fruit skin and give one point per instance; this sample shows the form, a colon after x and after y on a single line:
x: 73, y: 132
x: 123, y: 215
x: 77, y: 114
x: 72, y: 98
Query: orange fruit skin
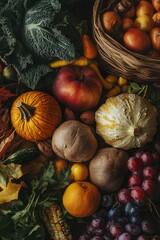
x: 59, y: 164
x: 79, y: 172
x: 81, y: 199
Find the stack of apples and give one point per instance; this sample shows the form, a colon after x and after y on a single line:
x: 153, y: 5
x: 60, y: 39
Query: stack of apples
x: 136, y: 24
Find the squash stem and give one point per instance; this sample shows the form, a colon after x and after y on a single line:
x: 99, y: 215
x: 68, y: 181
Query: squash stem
x: 26, y: 111
x: 137, y: 132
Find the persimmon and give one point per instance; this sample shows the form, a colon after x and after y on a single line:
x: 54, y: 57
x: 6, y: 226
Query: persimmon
x: 79, y: 172
x: 81, y: 199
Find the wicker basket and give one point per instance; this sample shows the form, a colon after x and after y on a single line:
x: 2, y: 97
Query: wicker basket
x: 116, y: 59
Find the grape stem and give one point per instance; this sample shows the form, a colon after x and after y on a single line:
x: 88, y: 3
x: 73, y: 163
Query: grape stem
x: 152, y: 207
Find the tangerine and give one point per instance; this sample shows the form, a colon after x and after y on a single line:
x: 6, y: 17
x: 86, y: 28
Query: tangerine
x: 81, y: 199
x: 79, y: 172
x: 60, y: 164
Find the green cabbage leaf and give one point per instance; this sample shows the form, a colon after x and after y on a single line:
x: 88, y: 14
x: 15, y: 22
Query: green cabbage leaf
x: 33, y: 33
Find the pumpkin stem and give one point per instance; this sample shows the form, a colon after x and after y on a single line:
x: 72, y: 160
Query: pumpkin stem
x: 84, y: 186
x: 26, y: 111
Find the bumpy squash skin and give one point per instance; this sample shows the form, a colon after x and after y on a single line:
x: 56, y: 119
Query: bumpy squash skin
x: 126, y: 121
x: 46, y: 117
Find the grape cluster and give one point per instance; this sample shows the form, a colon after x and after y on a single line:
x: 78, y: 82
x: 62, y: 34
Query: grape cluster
x: 145, y: 174
x: 123, y: 221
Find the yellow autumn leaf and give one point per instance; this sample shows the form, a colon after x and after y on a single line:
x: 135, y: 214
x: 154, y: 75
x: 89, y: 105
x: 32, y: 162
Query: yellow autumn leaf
x: 10, y: 192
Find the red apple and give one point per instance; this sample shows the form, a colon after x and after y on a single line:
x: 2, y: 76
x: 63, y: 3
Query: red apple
x: 137, y: 40
x: 78, y: 88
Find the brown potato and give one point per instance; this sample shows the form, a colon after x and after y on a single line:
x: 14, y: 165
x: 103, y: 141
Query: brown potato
x: 74, y: 141
x: 107, y: 168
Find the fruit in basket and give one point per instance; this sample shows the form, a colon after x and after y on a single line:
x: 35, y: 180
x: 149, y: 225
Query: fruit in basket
x: 144, y: 8
x: 156, y: 18
x: 156, y: 4
x: 144, y: 22
x: 127, y: 23
x: 126, y: 121
x: 79, y: 88
x: 74, y: 141
x: 155, y: 38
x: 81, y: 199
x: 35, y: 115
x: 111, y: 22
x: 136, y: 40
x: 107, y: 168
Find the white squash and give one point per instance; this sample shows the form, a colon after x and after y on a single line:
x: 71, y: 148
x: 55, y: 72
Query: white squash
x: 126, y: 121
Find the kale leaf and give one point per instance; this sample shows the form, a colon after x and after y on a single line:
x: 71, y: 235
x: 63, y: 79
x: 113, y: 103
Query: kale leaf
x: 34, y: 33
x: 21, y: 219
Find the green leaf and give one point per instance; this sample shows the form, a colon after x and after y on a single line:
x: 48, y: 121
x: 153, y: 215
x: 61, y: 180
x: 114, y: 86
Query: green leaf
x: 9, y: 171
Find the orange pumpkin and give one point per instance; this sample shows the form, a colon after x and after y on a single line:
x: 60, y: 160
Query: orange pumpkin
x: 81, y: 199
x: 35, y: 115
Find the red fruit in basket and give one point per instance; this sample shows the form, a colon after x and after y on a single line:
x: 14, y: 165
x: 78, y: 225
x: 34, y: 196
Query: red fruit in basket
x: 111, y: 22
x: 156, y: 5
x: 144, y: 8
x: 127, y: 23
x: 79, y: 88
x: 155, y: 38
x: 136, y: 40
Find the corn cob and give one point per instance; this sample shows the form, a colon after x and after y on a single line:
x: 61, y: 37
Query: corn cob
x: 55, y: 223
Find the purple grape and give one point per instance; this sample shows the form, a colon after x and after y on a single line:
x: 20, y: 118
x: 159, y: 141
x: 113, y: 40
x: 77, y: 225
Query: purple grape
x: 131, y: 209
x: 147, y: 227
x: 142, y: 237
x: 115, y: 229
x: 124, y: 195
x: 106, y: 201
x: 84, y: 236
x: 97, y: 222
x: 133, y: 229
x: 125, y: 236
x: 114, y: 213
x: 147, y: 158
x: 91, y: 230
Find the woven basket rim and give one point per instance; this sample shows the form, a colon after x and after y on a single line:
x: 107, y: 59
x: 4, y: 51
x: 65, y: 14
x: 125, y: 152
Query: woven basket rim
x: 119, y: 57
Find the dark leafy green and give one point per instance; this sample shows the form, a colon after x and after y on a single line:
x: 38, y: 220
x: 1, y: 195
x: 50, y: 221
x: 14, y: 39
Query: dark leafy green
x: 20, y: 220
x: 35, y: 32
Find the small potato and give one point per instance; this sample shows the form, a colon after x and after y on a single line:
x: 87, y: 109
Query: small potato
x: 107, y: 168
x: 74, y: 141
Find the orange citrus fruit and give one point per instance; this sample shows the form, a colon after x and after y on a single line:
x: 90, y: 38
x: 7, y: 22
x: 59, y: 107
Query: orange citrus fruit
x: 59, y: 164
x: 81, y: 199
x: 79, y: 172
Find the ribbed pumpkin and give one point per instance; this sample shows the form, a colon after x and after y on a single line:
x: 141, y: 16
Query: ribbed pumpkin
x: 35, y: 115
x: 126, y: 121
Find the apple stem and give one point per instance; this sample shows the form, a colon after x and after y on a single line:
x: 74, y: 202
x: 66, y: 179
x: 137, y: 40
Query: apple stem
x: 82, y: 78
